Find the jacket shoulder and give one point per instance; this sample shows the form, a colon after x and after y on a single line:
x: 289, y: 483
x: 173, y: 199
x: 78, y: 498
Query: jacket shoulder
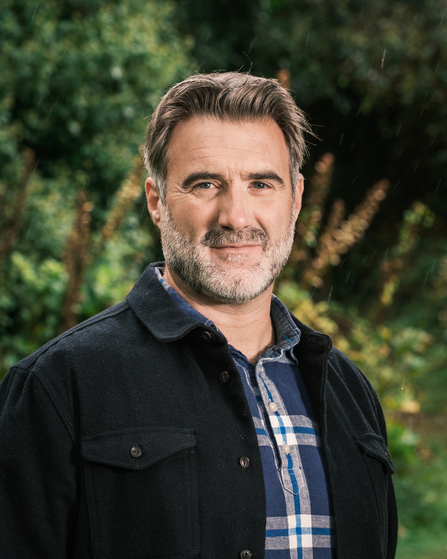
x: 348, y: 391
x: 88, y: 333
x: 338, y: 363
x: 345, y: 368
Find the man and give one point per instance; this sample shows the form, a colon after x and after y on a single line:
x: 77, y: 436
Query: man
x: 199, y: 418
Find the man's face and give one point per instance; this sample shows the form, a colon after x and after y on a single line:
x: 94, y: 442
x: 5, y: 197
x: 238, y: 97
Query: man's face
x: 228, y: 224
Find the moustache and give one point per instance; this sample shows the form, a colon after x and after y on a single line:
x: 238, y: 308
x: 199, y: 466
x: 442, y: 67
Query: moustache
x: 220, y: 237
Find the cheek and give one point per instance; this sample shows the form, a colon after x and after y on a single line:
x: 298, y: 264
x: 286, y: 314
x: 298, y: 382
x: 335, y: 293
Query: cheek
x: 193, y: 221
x: 277, y: 223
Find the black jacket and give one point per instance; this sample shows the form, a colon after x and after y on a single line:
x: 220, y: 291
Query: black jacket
x: 120, y: 440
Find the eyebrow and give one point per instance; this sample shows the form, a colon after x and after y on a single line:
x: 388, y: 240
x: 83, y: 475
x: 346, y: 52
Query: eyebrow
x: 267, y: 176
x: 203, y: 176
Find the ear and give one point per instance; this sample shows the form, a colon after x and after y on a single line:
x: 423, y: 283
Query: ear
x: 299, y: 189
x: 153, y: 201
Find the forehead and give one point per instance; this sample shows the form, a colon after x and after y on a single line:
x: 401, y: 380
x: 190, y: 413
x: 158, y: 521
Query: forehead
x: 207, y: 141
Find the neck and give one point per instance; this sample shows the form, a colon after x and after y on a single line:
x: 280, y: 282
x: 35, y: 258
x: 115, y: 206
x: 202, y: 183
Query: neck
x: 247, y: 326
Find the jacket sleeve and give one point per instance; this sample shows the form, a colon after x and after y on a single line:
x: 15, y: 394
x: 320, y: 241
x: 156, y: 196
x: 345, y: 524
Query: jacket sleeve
x: 38, y: 505
x: 392, y: 506
x: 392, y: 522
x: 364, y: 501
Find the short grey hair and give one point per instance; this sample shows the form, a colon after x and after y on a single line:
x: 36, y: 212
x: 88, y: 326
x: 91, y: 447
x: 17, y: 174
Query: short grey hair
x: 227, y: 96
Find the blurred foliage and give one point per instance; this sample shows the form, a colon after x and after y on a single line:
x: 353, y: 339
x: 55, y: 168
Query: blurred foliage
x: 383, y: 58
x: 78, y: 81
x: 317, y: 250
x: 422, y: 502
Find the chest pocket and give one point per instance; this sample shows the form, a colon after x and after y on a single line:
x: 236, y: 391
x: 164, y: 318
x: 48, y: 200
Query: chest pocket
x: 142, y: 493
x: 380, y: 467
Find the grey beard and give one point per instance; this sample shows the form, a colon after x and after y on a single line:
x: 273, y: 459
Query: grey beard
x: 213, y: 281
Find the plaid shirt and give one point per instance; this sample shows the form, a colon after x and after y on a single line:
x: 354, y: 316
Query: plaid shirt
x: 299, y: 524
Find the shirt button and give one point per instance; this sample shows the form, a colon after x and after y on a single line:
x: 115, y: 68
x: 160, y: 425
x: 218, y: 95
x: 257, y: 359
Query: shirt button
x: 244, y: 462
x: 273, y: 406
x: 246, y: 554
x: 136, y: 451
x: 286, y: 448
x: 224, y: 376
x: 207, y: 336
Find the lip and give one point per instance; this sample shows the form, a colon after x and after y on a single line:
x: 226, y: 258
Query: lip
x: 237, y: 248
x: 250, y: 252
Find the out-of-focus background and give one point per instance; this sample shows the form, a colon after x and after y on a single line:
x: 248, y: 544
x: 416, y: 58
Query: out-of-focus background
x: 79, y: 79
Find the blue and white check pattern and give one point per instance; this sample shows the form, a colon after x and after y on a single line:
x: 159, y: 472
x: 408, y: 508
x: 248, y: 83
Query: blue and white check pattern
x: 299, y: 521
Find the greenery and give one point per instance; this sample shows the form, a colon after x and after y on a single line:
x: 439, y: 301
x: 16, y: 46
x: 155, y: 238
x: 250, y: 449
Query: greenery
x: 369, y: 265
x: 78, y: 81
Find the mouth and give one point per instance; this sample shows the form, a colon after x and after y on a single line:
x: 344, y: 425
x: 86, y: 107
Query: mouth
x: 237, y: 247
x: 237, y: 254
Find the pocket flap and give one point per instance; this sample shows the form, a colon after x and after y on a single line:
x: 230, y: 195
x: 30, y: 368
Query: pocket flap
x: 136, y: 449
x: 374, y: 445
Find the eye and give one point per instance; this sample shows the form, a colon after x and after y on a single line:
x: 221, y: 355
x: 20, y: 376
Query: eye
x: 204, y: 185
x: 260, y: 185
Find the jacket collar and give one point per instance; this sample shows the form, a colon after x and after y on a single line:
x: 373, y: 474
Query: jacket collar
x: 311, y: 340
x: 161, y: 316
x: 156, y: 310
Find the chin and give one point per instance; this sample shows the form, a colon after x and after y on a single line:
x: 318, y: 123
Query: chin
x: 235, y: 284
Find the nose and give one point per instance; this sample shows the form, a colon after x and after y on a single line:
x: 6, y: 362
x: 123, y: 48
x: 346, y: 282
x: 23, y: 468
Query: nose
x: 235, y: 211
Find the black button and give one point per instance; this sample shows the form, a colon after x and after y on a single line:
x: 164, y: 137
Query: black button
x: 136, y: 451
x: 224, y: 376
x: 207, y: 336
x: 246, y: 554
x: 244, y: 462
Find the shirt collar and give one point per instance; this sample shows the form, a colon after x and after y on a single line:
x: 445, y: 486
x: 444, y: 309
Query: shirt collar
x: 181, y: 303
x: 156, y: 310
x: 287, y: 332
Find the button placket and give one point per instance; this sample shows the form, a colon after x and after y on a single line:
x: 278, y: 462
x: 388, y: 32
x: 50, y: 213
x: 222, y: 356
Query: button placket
x: 224, y: 376
x: 207, y: 336
x: 273, y: 403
